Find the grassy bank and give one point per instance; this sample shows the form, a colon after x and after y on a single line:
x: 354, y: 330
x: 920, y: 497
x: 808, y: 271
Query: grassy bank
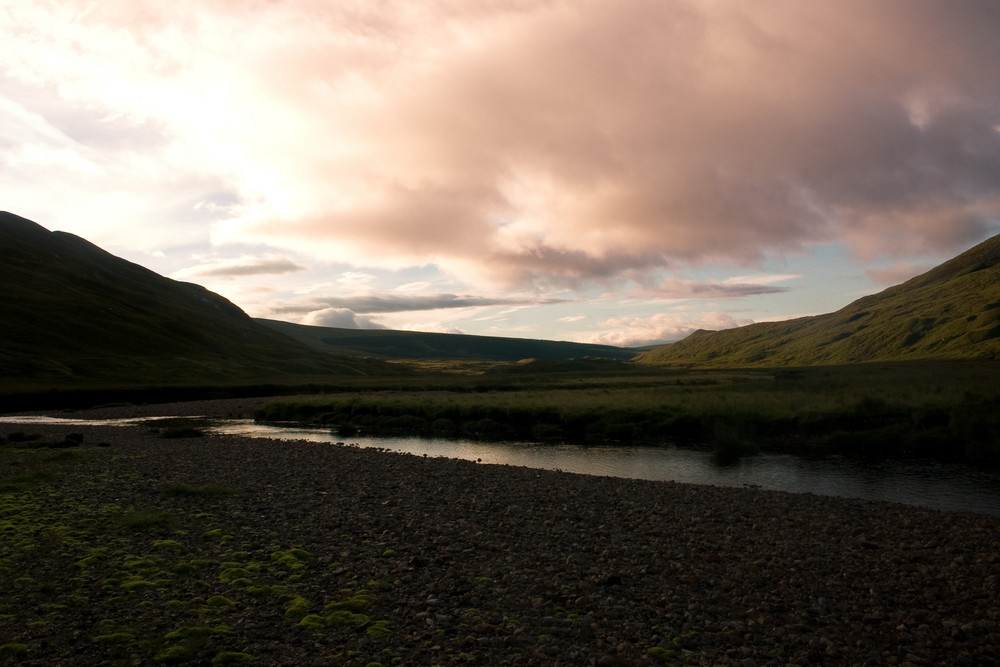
x: 940, y: 409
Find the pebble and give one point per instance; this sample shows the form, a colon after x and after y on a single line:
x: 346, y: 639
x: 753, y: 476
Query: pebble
x: 541, y: 567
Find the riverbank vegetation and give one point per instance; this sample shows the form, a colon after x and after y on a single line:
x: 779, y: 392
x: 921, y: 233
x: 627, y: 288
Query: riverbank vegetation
x: 939, y: 409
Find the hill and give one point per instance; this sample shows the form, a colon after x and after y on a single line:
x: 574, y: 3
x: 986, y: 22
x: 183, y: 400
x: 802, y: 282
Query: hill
x: 74, y: 313
x: 389, y: 344
x: 950, y: 312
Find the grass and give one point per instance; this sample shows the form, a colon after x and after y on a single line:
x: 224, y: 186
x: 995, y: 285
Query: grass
x: 950, y: 312
x: 942, y: 409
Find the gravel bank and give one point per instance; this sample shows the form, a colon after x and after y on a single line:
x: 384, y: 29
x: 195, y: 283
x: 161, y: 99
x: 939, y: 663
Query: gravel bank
x: 343, y: 556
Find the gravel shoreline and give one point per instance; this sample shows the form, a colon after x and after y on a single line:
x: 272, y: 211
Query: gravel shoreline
x: 444, y: 561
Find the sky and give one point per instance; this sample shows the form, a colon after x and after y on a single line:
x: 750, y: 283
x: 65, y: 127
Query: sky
x: 607, y: 172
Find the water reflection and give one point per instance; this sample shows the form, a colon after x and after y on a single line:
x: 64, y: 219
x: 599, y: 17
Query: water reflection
x: 915, y: 482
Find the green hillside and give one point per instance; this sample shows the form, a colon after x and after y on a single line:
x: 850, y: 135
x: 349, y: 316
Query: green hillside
x: 388, y: 344
x: 73, y: 313
x: 950, y: 312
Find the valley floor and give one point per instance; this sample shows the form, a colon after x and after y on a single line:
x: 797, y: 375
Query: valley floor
x: 136, y: 549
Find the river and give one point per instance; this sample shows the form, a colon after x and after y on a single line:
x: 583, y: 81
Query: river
x: 947, y: 486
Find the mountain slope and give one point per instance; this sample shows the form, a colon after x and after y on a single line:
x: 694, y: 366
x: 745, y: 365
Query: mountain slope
x: 390, y: 344
x: 73, y: 312
x: 950, y: 312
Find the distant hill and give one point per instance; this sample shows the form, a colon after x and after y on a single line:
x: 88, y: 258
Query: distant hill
x: 388, y: 344
x: 950, y: 312
x: 72, y: 312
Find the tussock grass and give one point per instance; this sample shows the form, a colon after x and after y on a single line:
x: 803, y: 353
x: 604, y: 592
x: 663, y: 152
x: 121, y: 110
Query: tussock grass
x: 916, y: 408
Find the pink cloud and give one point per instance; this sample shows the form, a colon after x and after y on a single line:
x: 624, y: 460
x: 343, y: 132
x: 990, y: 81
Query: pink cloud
x: 551, y: 144
x: 895, y: 273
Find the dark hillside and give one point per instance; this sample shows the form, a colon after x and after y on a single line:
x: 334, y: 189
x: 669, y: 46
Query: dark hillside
x: 73, y: 312
x: 389, y: 344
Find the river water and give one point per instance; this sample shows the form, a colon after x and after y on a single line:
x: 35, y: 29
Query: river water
x: 948, y: 486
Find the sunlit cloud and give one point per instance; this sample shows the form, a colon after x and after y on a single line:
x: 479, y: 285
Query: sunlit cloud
x: 551, y: 148
x: 340, y: 318
x: 561, y: 140
x: 660, y: 328
x: 241, y: 266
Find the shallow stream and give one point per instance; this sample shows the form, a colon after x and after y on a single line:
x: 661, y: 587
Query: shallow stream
x: 948, y: 486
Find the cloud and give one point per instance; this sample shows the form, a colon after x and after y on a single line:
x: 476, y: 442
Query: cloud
x: 397, y: 303
x: 895, y: 273
x: 242, y: 266
x: 340, y: 318
x: 762, y: 279
x: 544, y: 145
x: 660, y: 328
x: 693, y: 289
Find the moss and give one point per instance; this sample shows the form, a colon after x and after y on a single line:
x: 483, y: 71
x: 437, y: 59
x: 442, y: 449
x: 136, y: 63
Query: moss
x: 312, y: 621
x: 114, y: 638
x: 346, y: 618
x: 174, y: 654
x: 138, y: 584
x: 298, y: 607
x: 378, y: 630
x: 233, y: 573
x: 220, y: 534
x: 140, y: 562
x: 145, y: 521
x: 184, y: 567
x: 12, y: 650
x: 89, y: 561
x: 167, y: 544
x: 196, y: 632
x: 292, y: 558
x: 219, y: 601
x: 201, y: 491
x: 232, y: 658
x: 357, y: 602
